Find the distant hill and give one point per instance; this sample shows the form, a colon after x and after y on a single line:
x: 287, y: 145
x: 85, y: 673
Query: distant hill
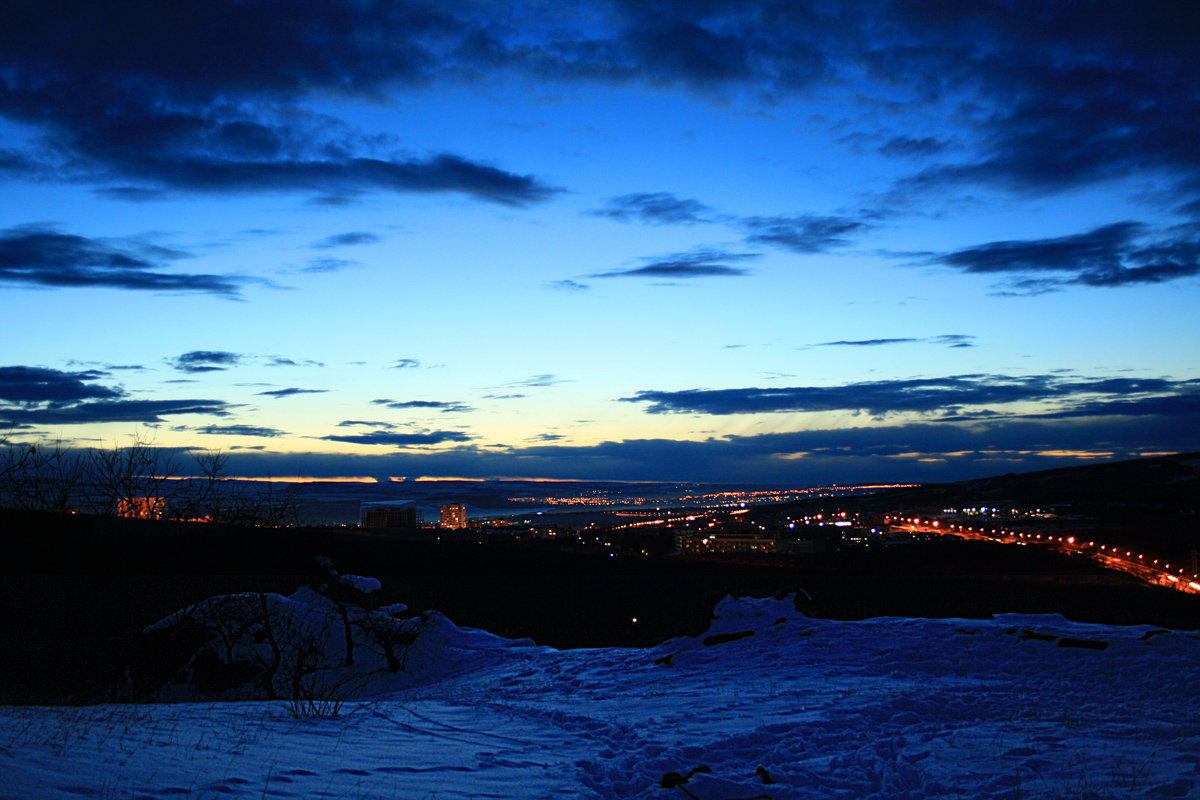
x: 1154, y: 502
x: 1164, y: 482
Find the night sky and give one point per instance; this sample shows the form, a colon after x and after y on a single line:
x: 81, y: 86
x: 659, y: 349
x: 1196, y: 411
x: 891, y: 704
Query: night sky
x: 791, y: 241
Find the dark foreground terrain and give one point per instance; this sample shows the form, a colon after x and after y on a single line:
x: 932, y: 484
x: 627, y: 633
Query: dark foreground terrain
x: 74, y: 607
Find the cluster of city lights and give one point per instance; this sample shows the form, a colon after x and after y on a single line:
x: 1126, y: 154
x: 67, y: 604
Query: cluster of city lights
x: 600, y: 498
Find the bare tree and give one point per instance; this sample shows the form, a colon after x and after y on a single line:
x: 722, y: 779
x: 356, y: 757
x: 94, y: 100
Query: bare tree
x: 139, y: 479
x: 41, y: 477
x: 125, y: 478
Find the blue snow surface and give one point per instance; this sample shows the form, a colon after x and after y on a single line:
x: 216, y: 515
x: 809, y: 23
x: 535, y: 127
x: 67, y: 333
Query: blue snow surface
x: 765, y: 704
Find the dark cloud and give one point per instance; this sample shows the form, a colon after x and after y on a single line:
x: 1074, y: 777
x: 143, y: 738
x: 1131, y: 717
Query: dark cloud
x: 802, y: 234
x: 205, y: 361
x: 32, y: 385
x: 406, y: 363
x: 1075, y: 93
x: 907, y: 452
x: 441, y: 173
x: 239, y: 430
x: 290, y: 391
x: 394, y: 439
x: 353, y: 423
x: 1079, y: 93
x: 1121, y: 254
x: 658, y: 208
x: 346, y: 239
x: 699, y: 264
x: 141, y: 411
x: 42, y: 256
x: 201, y: 95
x: 1172, y: 405
x: 920, y: 395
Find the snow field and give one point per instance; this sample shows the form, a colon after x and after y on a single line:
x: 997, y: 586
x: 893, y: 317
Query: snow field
x: 880, y: 708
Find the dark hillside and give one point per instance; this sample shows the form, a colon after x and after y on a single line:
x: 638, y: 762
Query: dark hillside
x: 76, y: 605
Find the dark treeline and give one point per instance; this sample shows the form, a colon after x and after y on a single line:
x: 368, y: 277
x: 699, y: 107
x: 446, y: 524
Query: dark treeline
x: 139, y: 480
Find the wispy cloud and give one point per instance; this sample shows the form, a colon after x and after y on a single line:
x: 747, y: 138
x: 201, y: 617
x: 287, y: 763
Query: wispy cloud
x: 432, y: 405
x: 949, y: 339
x: 320, y: 265
x: 697, y: 264
x: 801, y: 234
x: 290, y: 392
x: 658, y: 208
x: 283, y: 361
x: 346, y: 239
x: 567, y: 286
x: 539, y: 382
x: 205, y: 361
x: 908, y: 146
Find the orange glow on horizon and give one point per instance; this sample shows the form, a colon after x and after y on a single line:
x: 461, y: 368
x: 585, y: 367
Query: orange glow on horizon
x: 305, y: 479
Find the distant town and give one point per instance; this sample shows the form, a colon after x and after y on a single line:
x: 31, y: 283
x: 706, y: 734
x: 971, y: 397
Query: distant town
x: 1138, y: 517
x: 766, y: 523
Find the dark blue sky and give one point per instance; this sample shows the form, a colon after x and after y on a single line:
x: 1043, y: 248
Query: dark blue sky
x: 776, y: 241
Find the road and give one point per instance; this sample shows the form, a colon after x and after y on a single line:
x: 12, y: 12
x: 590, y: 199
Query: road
x: 1171, y: 575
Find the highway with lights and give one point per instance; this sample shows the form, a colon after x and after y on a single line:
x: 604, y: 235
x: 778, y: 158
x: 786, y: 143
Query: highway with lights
x: 1182, y: 577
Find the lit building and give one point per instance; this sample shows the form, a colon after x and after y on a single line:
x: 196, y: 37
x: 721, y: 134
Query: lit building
x: 404, y: 518
x: 454, y: 516
x: 743, y: 541
x: 142, y: 507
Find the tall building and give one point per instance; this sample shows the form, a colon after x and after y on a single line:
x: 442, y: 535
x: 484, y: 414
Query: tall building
x: 454, y: 516
x: 404, y: 518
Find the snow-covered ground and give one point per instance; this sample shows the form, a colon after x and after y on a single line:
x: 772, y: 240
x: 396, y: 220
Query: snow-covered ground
x: 1015, y: 707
